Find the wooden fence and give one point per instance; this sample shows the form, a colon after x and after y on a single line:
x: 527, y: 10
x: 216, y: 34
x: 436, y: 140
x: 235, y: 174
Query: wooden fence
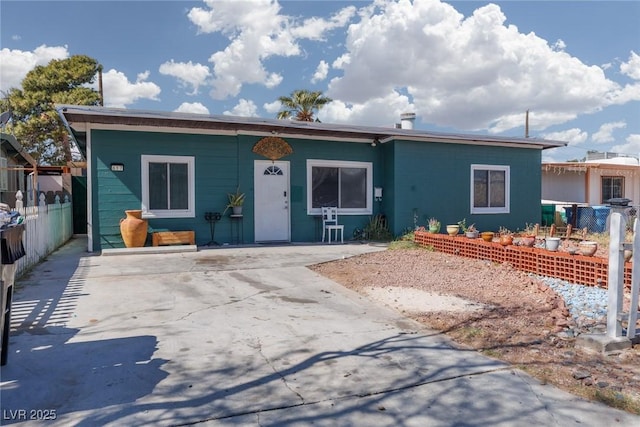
x: 47, y: 227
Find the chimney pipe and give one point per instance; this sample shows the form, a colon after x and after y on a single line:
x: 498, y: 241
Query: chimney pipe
x: 406, y: 120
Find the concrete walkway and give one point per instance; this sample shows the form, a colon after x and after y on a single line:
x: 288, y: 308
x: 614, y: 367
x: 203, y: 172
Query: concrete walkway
x: 249, y: 337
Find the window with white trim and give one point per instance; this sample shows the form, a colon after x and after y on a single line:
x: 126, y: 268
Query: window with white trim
x: 490, y: 189
x: 168, y: 186
x: 345, y: 184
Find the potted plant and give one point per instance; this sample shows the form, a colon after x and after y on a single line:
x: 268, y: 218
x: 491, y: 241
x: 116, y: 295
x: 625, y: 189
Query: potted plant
x: 529, y: 234
x: 472, y: 232
x: 236, y: 200
x: 487, y: 236
x: 453, y: 229
x: 588, y: 247
x: 506, y: 236
x: 552, y: 243
x: 434, y: 225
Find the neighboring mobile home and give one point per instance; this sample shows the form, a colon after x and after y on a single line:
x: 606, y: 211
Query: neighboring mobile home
x: 180, y: 167
x: 593, y: 181
x: 17, y: 171
x: 589, y: 184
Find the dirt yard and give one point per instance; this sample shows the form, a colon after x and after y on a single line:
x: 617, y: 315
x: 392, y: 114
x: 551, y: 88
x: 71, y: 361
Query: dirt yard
x: 504, y: 313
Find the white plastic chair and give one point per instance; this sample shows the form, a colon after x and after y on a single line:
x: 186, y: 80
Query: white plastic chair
x: 330, y: 223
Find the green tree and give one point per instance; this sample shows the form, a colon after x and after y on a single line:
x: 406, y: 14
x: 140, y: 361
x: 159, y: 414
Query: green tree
x: 35, y: 122
x: 302, y: 105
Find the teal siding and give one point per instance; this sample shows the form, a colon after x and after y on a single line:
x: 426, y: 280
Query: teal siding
x: 434, y: 180
x: 216, y: 168
x: 419, y: 180
x: 222, y: 163
x: 305, y: 227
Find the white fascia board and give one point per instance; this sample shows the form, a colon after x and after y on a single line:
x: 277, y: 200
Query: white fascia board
x: 309, y: 137
x: 156, y: 129
x: 445, y: 140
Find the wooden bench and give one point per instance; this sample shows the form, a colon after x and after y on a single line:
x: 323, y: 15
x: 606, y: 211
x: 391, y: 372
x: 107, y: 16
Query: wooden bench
x: 160, y: 238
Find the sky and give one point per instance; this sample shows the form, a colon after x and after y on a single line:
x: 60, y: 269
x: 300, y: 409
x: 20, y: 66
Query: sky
x: 460, y: 66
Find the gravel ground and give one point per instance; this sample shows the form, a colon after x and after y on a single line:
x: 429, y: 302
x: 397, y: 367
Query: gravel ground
x: 525, y: 320
x: 587, y: 304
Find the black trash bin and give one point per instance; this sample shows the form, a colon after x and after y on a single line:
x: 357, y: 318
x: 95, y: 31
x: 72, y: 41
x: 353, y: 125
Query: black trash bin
x: 11, y: 250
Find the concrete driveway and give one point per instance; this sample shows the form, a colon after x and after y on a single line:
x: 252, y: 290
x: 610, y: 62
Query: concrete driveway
x: 250, y: 337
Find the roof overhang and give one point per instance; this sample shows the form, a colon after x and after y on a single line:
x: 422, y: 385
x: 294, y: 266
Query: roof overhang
x: 14, y: 149
x: 584, y: 166
x: 78, y: 119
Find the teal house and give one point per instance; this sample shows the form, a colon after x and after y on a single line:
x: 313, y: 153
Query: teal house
x: 179, y: 169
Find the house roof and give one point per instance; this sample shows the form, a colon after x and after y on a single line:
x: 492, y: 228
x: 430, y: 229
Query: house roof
x: 76, y: 118
x: 14, y: 149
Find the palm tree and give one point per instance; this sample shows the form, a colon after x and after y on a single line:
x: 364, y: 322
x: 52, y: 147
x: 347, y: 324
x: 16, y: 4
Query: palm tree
x: 302, y: 104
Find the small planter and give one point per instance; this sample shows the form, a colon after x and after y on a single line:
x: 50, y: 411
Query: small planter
x: 528, y: 241
x: 588, y: 247
x: 552, y: 243
x: 453, y: 229
x: 487, y: 236
x: 434, y: 226
x: 472, y: 234
x: 506, y: 240
x: 628, y: 253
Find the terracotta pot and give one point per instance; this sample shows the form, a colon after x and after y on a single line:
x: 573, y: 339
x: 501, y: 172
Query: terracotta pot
x: 528, y: 241
x: 588, y: 248
x: 133, y: 229
x: 506, y: 240
x: 487, y: 236
x: 453, y: 229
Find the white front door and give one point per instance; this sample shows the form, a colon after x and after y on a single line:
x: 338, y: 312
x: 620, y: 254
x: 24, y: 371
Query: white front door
x: 271, y: 184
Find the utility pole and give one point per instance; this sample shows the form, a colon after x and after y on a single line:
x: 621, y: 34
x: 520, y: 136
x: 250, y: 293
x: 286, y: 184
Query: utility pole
x: 526, y: 125
x: 100, y: 85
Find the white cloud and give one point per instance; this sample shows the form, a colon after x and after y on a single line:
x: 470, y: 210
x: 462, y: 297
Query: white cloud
x: 573, y: 136
x: 632, y: 67
x: 187, y: 73
x: 559, y: 45
x: 192, y: 107
x: 383, y: 111
x: 341, y: 61
x: 631, y: 147
x: 272, y: 107
x: 120, y: 92
x: 257, y: 31
x: 321, y: 72
x: 605, y: 133
x: 537, y: 120
x: 315, y: 28
x: 469, y: 73
x: 15, y: 64
x: 244, y: 108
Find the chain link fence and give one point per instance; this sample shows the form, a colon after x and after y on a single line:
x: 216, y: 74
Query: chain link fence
x: 594, y: 218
